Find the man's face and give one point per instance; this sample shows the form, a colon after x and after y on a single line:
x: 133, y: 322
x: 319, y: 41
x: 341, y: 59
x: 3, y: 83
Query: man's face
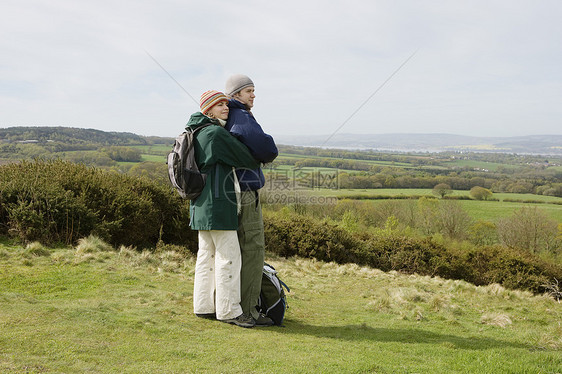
x: 246, y: 96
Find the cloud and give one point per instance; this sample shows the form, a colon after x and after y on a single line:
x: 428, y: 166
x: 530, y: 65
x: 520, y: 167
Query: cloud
x: 481, y: 67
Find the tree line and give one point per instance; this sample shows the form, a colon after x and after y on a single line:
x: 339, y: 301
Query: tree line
x: 355, y: 169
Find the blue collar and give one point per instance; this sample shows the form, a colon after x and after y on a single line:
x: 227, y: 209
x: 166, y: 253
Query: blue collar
x: 233, y: 103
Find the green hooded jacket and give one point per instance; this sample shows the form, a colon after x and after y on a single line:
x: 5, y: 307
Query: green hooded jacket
x: 216, y: 153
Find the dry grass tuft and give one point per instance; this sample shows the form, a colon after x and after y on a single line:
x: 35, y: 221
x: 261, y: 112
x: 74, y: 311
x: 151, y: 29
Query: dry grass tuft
x: 92, y: 244
x: 440, y: 302
x: 127, y: 252
x: 496, y: 319
x: 4, y: 254
x: 494, y: 289
x: 63, y: 256
x: 36, y: 249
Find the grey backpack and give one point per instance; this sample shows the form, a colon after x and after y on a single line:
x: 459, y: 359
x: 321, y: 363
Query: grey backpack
x: 273, y: 301
x: 182, y: 168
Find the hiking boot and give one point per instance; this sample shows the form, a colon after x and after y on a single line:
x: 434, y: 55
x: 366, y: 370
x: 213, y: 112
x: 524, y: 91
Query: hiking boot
x: 263, y: 320
x: 242, y: 321
x: 206, y: 315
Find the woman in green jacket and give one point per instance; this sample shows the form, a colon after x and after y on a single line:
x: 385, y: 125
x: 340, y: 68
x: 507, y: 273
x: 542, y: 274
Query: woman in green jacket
x: 215, y: 214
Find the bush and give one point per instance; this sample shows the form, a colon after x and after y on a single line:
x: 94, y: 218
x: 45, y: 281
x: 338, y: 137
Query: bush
x: 483, y: 233
x: 452, y: 220
x: 442, y: 189
x: 291, y: 234
x: 530, y: 229
x: 58, y: 201
x: 510, y: 267
x: 410, y: 255
x: 480, y: 193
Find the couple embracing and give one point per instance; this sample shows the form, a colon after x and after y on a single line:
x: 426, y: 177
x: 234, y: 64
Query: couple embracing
x: 227, y: 214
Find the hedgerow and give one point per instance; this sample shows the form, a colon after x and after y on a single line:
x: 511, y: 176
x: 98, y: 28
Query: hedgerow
x: 291, y: 234
x: 61, y: 202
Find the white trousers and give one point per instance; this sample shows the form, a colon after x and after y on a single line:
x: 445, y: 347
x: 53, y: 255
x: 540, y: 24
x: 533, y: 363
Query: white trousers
x: 217, y: 274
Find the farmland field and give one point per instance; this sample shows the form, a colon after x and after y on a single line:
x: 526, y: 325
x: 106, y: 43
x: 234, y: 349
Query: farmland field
x: 479, y: 210
x: 153, y: 158
x: 478, y: 164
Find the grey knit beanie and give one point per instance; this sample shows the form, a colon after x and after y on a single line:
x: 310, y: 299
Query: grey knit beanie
x: 236, y: 83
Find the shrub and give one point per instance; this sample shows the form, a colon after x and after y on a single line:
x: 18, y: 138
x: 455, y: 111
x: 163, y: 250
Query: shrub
x: 409, y: 255
x: 58, y: 201
x: 510, y: 267
x: 483, y: 233
x: 480, y: 193
x: 452, y: 220
x: 442, y: 189
x: 426, y: 214
x: 155, y: 171
x: 295, y: 235
x: 530, y: 229
x: 291, y: 234
x: 123, y: 154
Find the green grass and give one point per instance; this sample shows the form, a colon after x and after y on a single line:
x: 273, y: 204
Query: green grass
x: 154, y: 158
x: 425, y: 192
x: 479, y: 210
x: 378, y: 192
x: 296, y: 157
x: 158, y: 149
x: 290, y: 170
x: 493, y: 210
x: 154, y: 153
x: 527, y: 197
x: 128, y: 312
x: 492, y: 166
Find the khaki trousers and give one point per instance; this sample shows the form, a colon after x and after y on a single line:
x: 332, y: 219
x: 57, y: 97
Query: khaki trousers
x: 252, y: 246
x: 216, y: 286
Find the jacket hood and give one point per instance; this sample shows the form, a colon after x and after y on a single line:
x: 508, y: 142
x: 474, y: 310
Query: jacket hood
x: 199, y: 119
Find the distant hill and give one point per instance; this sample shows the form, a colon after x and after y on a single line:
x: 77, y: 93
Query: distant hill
x: 70, y: 135
x: 531, y: 144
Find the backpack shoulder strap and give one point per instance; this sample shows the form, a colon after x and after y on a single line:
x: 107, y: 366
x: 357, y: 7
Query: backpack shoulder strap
x: 194, y: 131
x: 284, y: 285
x: 190, y: 133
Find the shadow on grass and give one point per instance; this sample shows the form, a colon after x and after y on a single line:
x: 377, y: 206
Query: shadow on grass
x: 398, y: 335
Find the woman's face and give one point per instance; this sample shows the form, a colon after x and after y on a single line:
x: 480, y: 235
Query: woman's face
x: 219, y: 110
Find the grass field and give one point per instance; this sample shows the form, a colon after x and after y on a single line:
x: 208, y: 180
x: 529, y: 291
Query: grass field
x: 70, y: 311
x: 479, y: 210
x: 424, y: 192
x: 492, y: 166
x: 158, y: 149
x: 295, y: 157
x: 154, y: 158
x: 493, y: 210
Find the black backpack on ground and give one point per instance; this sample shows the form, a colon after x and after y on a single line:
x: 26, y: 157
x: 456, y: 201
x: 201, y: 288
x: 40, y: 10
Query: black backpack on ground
x: 182, y: 168
x: 273, y: 301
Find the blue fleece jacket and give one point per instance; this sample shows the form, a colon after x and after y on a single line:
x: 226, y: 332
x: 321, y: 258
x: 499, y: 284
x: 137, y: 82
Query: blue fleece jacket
x: 242, y: 124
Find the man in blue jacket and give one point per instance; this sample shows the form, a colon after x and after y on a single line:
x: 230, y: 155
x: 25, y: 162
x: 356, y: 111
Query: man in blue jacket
x: 242, y: 124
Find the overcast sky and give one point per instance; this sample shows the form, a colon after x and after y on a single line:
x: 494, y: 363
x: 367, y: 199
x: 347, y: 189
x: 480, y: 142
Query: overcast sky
x: 478, y: 68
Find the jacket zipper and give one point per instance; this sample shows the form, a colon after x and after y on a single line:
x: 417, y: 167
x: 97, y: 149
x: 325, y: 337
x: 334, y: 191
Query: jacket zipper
x: 217, y: 181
